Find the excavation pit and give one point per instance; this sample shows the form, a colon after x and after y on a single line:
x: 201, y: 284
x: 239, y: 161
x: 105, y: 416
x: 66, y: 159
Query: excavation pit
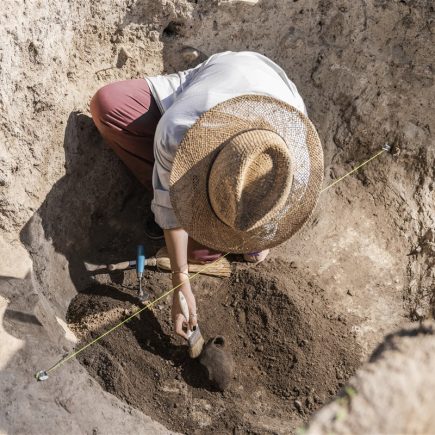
x: 291, y: 353
x: 364, y: 72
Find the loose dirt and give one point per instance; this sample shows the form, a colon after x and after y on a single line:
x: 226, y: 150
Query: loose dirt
x: 291, y: 353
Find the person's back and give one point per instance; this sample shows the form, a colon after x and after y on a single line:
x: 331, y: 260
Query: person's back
x: 230, y: 74
x: 237, y: 164
x: 193, y: 92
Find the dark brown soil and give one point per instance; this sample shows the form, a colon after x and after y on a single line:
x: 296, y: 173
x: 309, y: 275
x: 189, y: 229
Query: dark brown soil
x: 291, y: 354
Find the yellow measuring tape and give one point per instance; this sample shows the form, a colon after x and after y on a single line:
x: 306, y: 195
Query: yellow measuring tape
x: 385, y: 148
x: 43, y: 374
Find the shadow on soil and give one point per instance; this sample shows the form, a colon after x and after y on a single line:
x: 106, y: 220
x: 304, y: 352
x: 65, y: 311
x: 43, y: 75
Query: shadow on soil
x: 95, y: 212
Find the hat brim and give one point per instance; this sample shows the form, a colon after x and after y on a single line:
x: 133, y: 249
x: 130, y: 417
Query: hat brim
x: 201, y: 144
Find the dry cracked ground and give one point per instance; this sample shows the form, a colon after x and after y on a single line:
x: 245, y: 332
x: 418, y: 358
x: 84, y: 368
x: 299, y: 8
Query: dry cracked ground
x: 333, y: 333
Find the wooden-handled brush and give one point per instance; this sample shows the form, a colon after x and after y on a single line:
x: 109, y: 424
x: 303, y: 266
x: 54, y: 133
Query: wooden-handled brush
x: 221, y: 267
x: 194, y: 336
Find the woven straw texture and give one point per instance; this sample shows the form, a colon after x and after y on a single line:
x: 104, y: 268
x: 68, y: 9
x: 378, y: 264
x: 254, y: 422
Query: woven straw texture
x: 189, y: 182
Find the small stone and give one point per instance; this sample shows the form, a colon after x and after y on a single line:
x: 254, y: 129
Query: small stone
x: 189, y: 54
x: 395, y: 151
x: 154, y: 36
x: 349, y: 293
x: 419, y: 312
x: 429, y: 235
x: 302, y: 343
x: 123, y: 57
x: 341, y: 319
x: 298, y: 406
x: 114, y: 39
x: 429, y: 248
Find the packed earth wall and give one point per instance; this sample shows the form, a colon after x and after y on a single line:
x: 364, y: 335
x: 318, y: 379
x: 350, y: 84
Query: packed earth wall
x: 366, y: 258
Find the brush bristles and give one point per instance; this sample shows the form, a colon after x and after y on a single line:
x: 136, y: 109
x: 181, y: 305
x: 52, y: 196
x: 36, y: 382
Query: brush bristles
x: 221, y: 267
x: 196, y: 343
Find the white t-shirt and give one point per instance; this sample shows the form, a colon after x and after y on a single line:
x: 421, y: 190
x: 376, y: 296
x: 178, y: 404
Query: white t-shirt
x: 182, y: 97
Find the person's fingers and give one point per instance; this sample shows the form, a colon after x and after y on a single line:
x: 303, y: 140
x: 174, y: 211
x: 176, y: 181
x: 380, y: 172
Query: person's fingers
x: 191, y: 304
x: 193, y: 320
x: 178, y: 323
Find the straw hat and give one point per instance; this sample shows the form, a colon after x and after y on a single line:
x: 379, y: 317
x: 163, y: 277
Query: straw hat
x: 247, y: 174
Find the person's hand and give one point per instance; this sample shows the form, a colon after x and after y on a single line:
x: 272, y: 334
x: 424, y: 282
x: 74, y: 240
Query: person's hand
x: 179, y: 321
x: 176, y: 242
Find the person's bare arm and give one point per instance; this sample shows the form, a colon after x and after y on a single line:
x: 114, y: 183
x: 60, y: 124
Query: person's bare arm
x: 176, y: 242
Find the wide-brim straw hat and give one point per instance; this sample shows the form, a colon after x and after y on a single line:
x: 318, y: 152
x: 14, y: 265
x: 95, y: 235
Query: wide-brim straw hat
x: 247, y: 174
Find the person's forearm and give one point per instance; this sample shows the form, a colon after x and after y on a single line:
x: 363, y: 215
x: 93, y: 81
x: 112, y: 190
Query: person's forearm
x: 176, y: 242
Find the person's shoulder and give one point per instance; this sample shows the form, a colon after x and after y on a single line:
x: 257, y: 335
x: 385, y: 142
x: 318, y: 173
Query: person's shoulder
x: 235, y: 57
x: 240, y: 54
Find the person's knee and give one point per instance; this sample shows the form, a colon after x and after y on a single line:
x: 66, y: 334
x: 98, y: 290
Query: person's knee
x: 103, y: 103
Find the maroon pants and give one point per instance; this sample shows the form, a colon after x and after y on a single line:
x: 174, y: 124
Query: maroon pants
x: 127, y: 115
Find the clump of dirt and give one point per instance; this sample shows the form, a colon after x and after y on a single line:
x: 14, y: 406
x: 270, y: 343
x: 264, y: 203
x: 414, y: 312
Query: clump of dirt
x: 291, y: 353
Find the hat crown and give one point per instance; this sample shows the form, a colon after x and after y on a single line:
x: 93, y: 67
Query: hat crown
x: 203, y: 199
x: 250, y: 179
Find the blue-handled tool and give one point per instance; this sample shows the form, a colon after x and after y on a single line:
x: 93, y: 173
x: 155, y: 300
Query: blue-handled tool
x: 140, y: 265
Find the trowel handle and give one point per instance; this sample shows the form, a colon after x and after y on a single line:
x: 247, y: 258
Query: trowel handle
x: 126, y: 264
x: 121, y: 266
x: 140, y: 259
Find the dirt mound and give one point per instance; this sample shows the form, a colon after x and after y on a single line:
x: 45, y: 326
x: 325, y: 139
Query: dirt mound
x: 393, y: 394
x: 291, y: 354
